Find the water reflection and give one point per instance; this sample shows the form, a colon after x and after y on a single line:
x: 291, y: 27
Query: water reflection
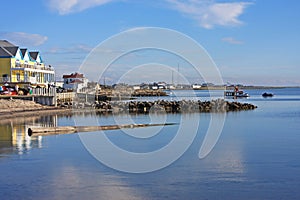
x: 14, y: 137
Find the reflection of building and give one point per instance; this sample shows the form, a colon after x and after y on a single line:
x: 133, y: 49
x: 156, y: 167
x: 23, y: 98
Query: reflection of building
x: 75, y: 81
x: 22, y: 141
x: 23, y: 66
x: 14, y: 134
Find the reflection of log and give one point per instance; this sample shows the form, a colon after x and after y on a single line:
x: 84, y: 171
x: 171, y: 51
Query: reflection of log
x: 44, y: 131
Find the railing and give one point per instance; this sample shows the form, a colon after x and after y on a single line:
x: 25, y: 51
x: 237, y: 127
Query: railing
x: 44, y: 91
x: 40, y: 67
x: 65, y: 97
x: 87, y: 90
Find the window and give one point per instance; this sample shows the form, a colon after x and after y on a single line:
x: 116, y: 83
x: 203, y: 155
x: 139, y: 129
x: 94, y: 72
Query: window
x: 18, y: 77
x: 5, y: 78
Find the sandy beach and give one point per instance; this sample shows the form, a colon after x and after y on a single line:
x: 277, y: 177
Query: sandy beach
x: 15, y: 107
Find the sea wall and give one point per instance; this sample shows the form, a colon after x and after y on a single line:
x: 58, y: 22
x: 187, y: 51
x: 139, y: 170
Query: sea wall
x: 183, y: 106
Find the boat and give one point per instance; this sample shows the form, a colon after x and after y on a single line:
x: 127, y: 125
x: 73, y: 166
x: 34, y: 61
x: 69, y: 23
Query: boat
x: 236, y: 93
x: 242, y: 94
x: 267, y: 94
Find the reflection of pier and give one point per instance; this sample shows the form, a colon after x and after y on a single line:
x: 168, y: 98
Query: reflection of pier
x: 14, y: 137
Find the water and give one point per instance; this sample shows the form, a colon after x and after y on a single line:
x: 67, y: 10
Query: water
x: 256, y: 157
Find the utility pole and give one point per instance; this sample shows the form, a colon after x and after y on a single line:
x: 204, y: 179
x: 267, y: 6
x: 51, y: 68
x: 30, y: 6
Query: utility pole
x: 104, y: 82
x: 178, y: 74
x: 172, y: 77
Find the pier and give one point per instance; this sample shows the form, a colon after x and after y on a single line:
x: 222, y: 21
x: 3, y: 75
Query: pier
x: 44, y: 96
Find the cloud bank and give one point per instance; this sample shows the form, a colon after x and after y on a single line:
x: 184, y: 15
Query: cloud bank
x: 71, y: 6
x: 73, y: 49
x: 24, y: 39
x: 206, y: 13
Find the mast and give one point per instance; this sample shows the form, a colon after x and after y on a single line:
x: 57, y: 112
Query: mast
x: 172, y: 77
x: 177, y: 73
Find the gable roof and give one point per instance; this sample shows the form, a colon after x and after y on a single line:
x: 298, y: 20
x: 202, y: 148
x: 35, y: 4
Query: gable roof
x: 75, y: 75
x: 4, y: 52
x: 9, y: 50
x: 5, y: 43
x: 23, y: 51
x: 76, y: 81
x: 12, y: 50
x: 34, y: 54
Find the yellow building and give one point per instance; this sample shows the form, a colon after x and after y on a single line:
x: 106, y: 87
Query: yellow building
x: 23, y: 67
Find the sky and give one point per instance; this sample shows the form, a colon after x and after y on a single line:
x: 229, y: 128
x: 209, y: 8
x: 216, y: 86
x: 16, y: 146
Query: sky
x: 251, y: 42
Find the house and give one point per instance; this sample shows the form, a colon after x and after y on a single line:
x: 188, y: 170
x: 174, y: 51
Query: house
x: 136, y: 87
x: 196, y: 86
x: 75, y: 81
x: 19, y: 65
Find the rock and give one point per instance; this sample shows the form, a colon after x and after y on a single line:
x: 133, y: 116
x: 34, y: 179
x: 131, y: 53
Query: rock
x: 184, y: 106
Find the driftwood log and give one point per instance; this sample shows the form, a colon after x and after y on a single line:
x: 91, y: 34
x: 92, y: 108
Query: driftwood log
x: 44, y: 131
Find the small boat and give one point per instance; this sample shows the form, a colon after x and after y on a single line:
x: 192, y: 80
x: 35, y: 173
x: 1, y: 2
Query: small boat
x: 267, y: 94
x: 236, y: 93
x: 242, y: 94
x: 239, y: 94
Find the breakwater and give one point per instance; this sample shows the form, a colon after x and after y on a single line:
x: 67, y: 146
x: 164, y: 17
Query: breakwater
x: 183, y: 106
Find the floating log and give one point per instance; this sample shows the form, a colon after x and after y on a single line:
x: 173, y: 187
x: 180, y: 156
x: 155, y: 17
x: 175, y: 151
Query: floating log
x: 44, y: 131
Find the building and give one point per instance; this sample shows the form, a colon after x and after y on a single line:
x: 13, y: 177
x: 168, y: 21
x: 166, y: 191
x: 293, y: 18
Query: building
x: 75, y: 81
x: 19, y: 65
x: 196, y: 86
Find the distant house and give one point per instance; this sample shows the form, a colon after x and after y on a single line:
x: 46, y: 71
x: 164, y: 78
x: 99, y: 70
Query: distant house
x: 136, y: 87
x: 19, y: 65
x: 196, y: 86
x: 75, y: 81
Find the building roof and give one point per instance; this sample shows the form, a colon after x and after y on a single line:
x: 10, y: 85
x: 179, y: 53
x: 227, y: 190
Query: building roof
x: 4, y: 52
x: 23, y: 51
x: 76, y: 81
x: 75, y: 75
x: 34, y: 54
x: 12, y: 50
x: 5, y: 43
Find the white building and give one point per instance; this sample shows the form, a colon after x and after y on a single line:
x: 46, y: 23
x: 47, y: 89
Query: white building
x: 196, y: 86
x: 75, y: 82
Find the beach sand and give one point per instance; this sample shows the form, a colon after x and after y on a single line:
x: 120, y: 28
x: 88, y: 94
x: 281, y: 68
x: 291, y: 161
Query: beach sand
x: 15, y: 107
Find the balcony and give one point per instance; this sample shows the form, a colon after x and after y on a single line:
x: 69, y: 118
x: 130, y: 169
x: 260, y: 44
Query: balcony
x: 35, y: 66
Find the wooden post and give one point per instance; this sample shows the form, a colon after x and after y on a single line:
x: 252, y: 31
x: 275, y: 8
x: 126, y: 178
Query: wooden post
x: 45, y: 131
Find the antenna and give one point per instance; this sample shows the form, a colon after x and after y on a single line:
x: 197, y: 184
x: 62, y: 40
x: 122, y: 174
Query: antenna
x: 172, y: 77
x: 178, y: 74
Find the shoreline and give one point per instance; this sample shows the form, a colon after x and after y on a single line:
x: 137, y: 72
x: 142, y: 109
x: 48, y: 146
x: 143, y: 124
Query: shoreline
x: 12, y: 108
x: 22, y: 108
x: 9, y: 114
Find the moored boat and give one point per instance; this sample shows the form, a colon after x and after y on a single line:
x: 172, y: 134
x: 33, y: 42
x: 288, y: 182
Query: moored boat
x: 265, y: 94
x: 236, y: 93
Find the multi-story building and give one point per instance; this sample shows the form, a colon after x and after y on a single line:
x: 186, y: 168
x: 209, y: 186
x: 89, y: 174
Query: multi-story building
x: 24, y: 67
x: 75, y: 81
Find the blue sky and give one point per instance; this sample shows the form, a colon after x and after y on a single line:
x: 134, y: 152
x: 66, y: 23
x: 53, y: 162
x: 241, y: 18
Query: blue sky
x: 252, y: 42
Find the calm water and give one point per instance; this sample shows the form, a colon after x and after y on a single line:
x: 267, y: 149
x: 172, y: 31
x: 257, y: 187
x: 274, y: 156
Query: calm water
x: 257, y: 157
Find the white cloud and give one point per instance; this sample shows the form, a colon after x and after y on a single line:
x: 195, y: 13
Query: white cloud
x: 73, y: 49
x: 208, y: 13
x: 232, y: 40
x: 24, y: 39
x: 70, y: 6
